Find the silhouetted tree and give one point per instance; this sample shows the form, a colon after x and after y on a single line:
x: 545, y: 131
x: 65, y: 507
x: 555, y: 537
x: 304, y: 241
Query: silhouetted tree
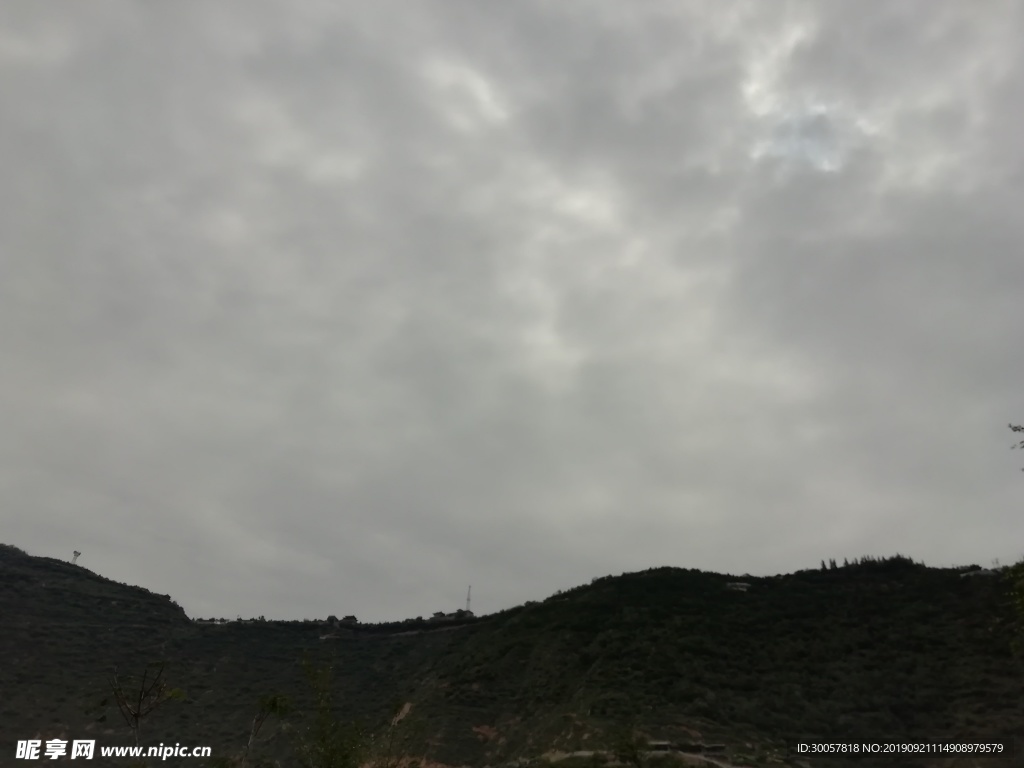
x: 136, y: 704
x: 273, y: 704
x: 1017, y: 428
x: 398, y: 735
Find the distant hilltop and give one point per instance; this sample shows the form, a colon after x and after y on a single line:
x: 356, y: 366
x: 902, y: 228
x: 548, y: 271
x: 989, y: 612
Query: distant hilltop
x: 735, y: 668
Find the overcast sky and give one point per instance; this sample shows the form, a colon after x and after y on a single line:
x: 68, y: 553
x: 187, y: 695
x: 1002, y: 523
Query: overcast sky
x: 338, y: 308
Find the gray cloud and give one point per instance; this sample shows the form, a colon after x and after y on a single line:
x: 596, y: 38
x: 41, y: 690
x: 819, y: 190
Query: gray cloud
x: 339, y: 309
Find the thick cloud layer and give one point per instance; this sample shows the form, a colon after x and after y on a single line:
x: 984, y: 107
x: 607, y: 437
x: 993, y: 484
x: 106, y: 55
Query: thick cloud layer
x: 323, y: 309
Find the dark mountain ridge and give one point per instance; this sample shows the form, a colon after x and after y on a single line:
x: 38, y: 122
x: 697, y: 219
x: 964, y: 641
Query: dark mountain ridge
x: 878, y: 650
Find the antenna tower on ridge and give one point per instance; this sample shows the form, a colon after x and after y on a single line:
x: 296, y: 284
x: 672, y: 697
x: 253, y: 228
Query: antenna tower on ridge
x: 467, y: 597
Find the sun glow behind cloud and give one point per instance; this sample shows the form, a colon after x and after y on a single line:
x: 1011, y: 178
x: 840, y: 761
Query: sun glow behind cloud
x: 792, y: 124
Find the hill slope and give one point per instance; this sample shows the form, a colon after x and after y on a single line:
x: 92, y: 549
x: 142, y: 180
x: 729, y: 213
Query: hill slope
x: 886, y: 650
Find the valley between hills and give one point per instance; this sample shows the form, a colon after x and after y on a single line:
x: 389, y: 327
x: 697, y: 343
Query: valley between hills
x: 661, y: 667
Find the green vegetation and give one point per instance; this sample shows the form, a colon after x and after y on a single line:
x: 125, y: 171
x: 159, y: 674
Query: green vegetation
x: 325, y: 741
x: 870, y: 650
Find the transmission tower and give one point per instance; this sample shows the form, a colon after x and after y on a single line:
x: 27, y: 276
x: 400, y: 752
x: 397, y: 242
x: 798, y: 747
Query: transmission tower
x: 467, y: 597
